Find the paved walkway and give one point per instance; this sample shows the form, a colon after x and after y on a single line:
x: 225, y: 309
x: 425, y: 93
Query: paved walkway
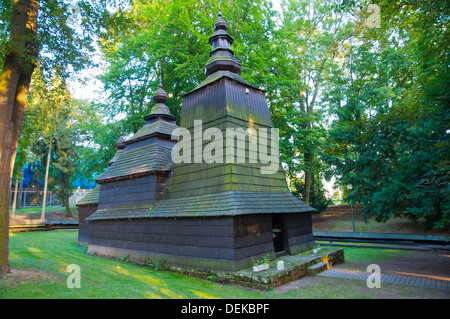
x: 392, y: 279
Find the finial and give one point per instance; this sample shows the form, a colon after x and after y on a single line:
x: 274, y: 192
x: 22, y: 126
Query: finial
x: 220, y: 22
x: 120, y: 142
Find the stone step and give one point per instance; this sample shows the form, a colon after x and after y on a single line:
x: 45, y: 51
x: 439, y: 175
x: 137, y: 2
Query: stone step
x: 317, y: 268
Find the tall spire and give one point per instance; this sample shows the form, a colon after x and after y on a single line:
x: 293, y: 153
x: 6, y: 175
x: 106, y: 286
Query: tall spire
x: 221, y: 57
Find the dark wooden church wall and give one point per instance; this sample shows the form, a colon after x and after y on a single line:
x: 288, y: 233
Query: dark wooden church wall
x: 83, y: 226
x: 128, y: 192
x: 189, y: 241
x: 227, y: 243
x: 299, y: 232
x: 253, y: 236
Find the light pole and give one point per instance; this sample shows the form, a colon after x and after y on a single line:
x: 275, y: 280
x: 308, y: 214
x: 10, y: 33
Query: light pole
x: 350, y: 188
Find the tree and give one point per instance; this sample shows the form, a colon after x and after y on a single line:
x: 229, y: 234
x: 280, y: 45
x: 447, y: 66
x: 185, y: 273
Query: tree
x: 391, y: 130
x: 15, y: 81
x: 23, y: 155
x: 65, y: 163
x: 312, y: 34
x: 318, y: 199
x: 54, y: 104
x: 19, y: 54
x: 99, y: 142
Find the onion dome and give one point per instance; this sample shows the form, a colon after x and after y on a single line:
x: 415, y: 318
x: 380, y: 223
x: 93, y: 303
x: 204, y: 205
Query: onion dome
x: 160, y: 96
x: 120, y: 142
x: 160, y: 109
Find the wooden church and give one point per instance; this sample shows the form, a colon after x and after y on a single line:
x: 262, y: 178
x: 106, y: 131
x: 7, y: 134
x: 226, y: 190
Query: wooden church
x: 222, y: 215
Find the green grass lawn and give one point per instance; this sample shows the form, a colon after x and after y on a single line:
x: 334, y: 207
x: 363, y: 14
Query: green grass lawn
x: 51, y: 212
x: 38, y: 210
x: 39, y: 261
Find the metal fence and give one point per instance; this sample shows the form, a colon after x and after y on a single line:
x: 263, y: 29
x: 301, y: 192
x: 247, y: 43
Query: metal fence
x: 31, y: 197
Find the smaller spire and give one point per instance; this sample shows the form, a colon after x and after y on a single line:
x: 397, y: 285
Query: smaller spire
x: 160, y: 108
x: 120, y: 142
x: 160, y: 96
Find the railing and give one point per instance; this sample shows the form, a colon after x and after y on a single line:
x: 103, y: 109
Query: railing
x: 30, y: 197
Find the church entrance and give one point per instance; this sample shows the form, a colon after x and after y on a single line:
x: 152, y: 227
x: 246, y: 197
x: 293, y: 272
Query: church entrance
x: 278, y: 234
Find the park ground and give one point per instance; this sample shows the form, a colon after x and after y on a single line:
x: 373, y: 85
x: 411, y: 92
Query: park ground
x: 338, y: 218
x: 39, y: 262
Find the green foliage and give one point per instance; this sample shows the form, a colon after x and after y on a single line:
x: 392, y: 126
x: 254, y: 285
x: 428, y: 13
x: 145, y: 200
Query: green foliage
x: 212, y: 277
x: 390, y: 139
x: 305, y: 47
x: 430, y: 199
x: 65, y: 44
x: 96, y: 140
x: 263, y: 260
x: 125, y: 259
x: 54, y: 116
x: 157, y: 265
x: 317, y: 199
x: 64, y: 161
x: 5, y: 16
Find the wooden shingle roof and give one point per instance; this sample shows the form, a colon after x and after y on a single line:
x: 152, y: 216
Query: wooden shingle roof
x: 90, y: 198
x: 145, y: 159
x: 158, y: 127
x: 230, y: 203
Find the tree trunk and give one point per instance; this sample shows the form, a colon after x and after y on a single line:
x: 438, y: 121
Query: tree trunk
x: 308, y: 177
x: 13, y: 210
x: 308, y: 156
x: 19, y: 202
x: 46, y: 178
x: 68, y: 212
x: 14, y: 85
